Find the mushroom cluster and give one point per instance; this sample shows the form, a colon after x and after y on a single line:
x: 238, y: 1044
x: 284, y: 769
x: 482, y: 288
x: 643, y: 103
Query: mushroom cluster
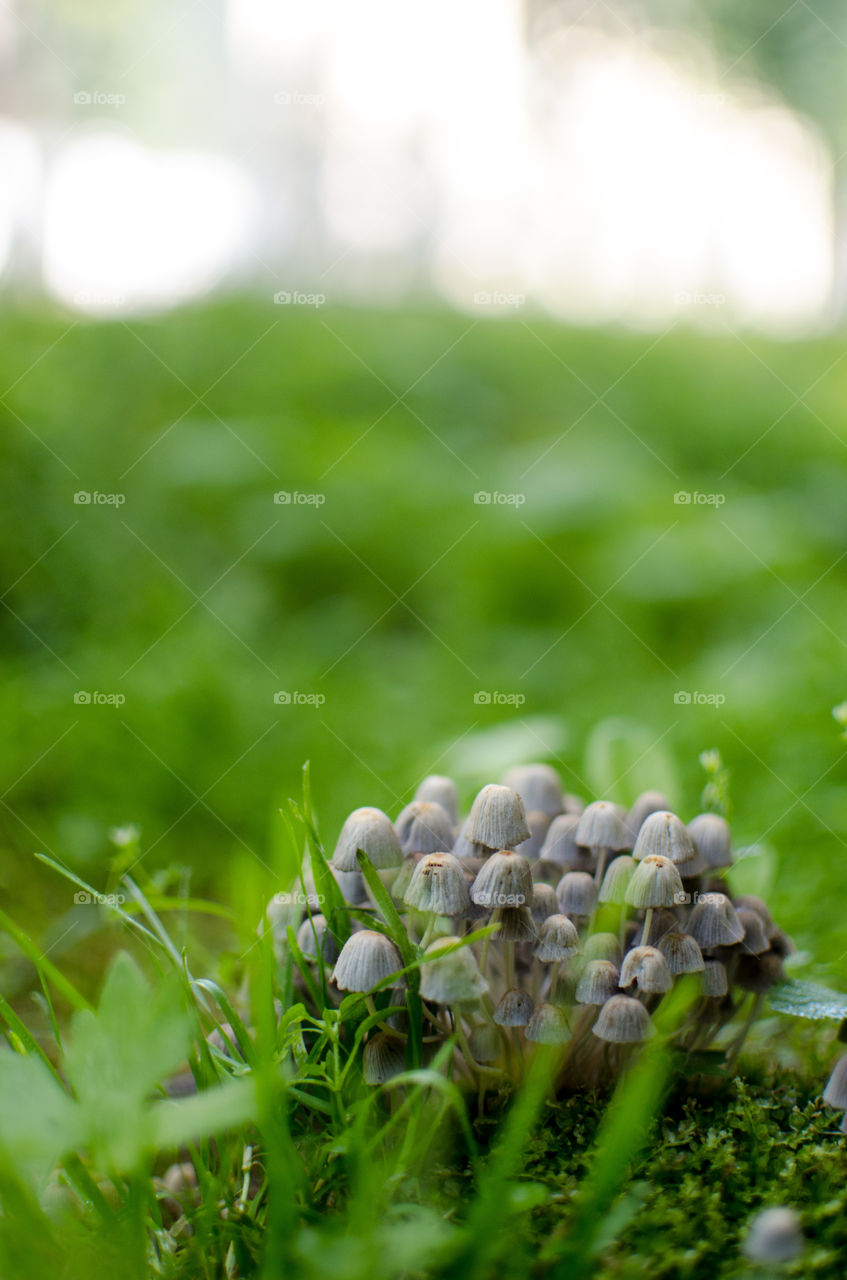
x: 598, y: 911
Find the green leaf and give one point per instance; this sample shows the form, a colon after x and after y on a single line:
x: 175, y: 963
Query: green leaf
x: 807, y: 1000
x: 117, y: 1057
x: 408, y: 952
x: 176, y: 1123
x: 39, y: 1121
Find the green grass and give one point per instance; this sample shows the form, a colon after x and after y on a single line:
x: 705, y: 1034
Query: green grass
x: 596, y: 600
x: 299, y: 1169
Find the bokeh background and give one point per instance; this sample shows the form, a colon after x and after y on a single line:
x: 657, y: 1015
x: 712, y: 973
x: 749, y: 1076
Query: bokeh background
x: 417, y: 388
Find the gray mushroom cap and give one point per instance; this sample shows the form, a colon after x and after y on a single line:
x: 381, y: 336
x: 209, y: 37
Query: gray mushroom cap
x: 497, y: 818
x: 371, y: 831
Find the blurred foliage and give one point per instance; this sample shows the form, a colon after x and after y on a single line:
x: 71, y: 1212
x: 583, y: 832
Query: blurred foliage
x: 598, y: 599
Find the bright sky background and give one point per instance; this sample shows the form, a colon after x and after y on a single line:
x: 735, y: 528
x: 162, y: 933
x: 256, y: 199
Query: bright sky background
x: 380, y: 145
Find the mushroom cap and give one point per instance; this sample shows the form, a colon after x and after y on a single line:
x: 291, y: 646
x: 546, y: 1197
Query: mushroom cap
x: 441, y: 790
x: 497, y: 818
x: 835, y: 1093
x: 315, y: 940
x: 774, y: 1236
x: 602, y: 826
x: 438, y: 885
x: 616, y: 880
x: 547, y: 1025
x: 647, y: 967
x: 539, y: 786
x: 424, y: 826
x: 484, y: 1043
x: 365, y: 959
x: 598, y: 982
x: 623, y: 1020
x: 516, y: 925
x: 514, y: 1009
x: 558, y: 939
x: 754, y: 941
x: 371, y: 831
x: 713, y: 840
x: 577, y: 893
x: 451, y: 979
x: 539, y: 824
x: 544, y: 901
x: 752, y: 903
x: 383, y: 1058
x: 645, y: 804
x: 714, y: 979
x: 655, y: 882
x: 465, y: 848
x: 503, y: 880
x: 560, y: 845
x: 602, y: 946
x: 681, y: 952
x: 713, y: 922
x: 759, y: 973
x: 664, y: 834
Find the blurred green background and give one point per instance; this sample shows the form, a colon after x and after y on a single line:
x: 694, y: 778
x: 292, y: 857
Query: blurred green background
x: 594, y: 596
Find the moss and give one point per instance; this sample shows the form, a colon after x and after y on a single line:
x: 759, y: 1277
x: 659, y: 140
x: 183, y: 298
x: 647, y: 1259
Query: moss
x: 709, y: 1167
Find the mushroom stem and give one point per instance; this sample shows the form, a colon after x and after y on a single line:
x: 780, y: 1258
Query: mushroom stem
x: 509, y: 964
x: 648, y: 920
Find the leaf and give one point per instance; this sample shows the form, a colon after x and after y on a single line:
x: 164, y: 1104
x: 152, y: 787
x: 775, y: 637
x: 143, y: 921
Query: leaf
x: 39, y: 1121
x: 408, y: 952
x: 176, y: 1123
x: 117, y: 1056
x: 807, y: 1000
